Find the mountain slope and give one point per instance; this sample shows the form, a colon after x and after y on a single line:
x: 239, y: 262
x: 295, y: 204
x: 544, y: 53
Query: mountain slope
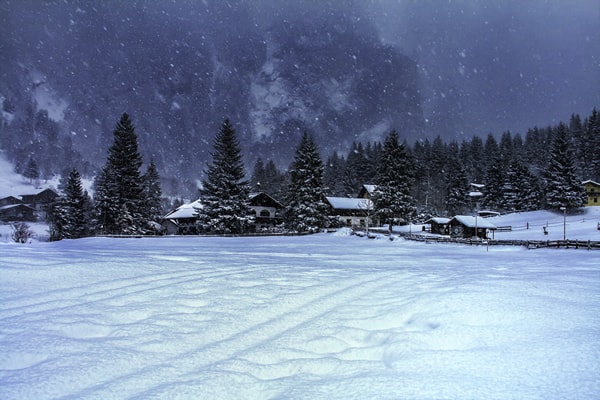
x: 178, y: 71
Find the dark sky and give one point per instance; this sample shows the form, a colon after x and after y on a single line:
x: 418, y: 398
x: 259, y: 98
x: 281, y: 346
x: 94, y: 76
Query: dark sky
x: 499, y: 65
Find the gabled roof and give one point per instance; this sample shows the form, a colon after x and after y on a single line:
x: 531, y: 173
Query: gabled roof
x: 590, y: 181
x: 367, y: 189
x: 370, y: 188
x: 19, y: 205
x: 263, y: 199
x: 349, y: 203
x: 13, y: 199
x: 184, y: 211
x: 49, y: 191
x: 472, y: 222
x: 438, y: 220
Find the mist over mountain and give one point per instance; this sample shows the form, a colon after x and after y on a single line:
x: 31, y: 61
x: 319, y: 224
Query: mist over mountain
x: 342, y: 70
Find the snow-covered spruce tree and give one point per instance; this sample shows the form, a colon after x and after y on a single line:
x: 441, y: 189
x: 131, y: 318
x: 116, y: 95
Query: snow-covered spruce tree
x: 521, y: 190
x: 69, y: 215
x: 225, y: 192
x: 334, y: 174
x: 591, y: 146
x: 153, y: 194
x: 393, y: 197
x: 457, y: 187
x: 106, y: 209
x: 306, y: 210
x: 32, y: 171
x: 258, y: 179
x: 493, y: 196
x: 121, y: 183
x: 563, y: 188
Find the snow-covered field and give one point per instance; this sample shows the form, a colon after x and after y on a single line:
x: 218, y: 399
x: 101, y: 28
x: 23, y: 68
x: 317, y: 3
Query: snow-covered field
x: 326, y: 316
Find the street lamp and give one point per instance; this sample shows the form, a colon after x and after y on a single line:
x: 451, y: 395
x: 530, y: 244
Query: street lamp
x: 564, y: 209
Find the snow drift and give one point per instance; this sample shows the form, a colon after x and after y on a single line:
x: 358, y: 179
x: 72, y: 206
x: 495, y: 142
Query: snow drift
x: 323, y: 316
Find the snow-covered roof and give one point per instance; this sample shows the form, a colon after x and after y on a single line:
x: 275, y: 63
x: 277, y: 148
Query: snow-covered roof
x: 475, y: 194
x: 487, y: 213
x: 472, y: 222
x: 264, y: 199
x: 9, y: 206
x: 591, y: 181
x: 350, y: 203
x: 370, y: 188
x: 438, y: 220
x: 185, y: 211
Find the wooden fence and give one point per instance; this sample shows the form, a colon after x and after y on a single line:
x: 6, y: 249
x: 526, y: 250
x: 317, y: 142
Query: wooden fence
x: 530, y: 244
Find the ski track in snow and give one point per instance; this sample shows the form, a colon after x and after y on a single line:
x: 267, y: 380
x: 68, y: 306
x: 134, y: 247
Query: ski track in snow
x: 309, y: 317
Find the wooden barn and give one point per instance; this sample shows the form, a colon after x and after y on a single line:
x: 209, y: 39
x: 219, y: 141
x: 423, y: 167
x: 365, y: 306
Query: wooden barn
x: 439, y: 225
x: 17, y: 212
x: 467, y: 226
x: 41, y: 200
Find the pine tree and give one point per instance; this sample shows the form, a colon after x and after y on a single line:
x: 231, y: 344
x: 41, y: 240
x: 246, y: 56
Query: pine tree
x: 590, y: 147
x: 153, y: 194
x: 493, y: 198
x: 106, y: 209
x: 333, y: 175
x: 393, y: 197
x: 69, y: 220
x: 457, y: 187
x: 274, y: 181
x: 225, y: 192
x: 563, y: 188
x: 125, y: 224
x: 32, y: 171
x: 257, y: 181
x: 525, y: 193
x: 491, y: 151
x: 305, y: 211
x: 357, y: 171
x: 121, y: 183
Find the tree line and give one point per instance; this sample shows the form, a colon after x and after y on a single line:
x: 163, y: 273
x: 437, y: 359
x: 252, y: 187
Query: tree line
x: 126, y: 202
x: 542, y: 170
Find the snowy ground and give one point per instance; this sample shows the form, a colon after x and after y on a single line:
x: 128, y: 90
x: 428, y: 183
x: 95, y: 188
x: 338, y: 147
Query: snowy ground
x: 577, y: 225
x: 317, y: 317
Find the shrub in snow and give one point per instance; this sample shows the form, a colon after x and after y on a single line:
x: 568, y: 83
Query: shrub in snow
x: 21, y: 232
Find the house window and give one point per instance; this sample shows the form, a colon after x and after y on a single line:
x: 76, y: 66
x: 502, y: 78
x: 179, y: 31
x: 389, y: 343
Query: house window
x: 265, y: 213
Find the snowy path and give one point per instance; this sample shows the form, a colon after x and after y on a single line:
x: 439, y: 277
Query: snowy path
x: 311, y: 317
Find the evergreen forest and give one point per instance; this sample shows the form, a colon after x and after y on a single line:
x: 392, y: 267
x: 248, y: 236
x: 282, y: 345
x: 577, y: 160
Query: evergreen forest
x: 544, y: 169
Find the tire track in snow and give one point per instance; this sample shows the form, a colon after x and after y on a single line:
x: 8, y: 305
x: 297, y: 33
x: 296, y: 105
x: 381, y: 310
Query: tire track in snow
x: 80, y: 295
x: 182, y: 366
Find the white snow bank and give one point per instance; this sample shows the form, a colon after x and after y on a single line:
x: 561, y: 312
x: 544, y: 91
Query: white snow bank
x: 319, y: 317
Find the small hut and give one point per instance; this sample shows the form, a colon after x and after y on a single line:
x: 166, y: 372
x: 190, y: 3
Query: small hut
x: 439, y: 225
x: 466, y: 226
